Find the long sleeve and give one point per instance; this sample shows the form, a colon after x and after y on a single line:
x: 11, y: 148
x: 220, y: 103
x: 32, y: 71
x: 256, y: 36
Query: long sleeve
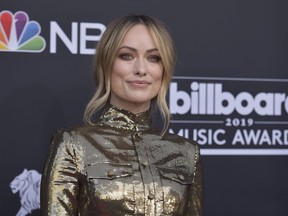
x: 196, y: 189
x: 59, y: 189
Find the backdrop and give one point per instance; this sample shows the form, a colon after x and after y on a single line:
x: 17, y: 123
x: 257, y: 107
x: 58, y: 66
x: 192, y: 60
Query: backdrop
x: 229, y: 92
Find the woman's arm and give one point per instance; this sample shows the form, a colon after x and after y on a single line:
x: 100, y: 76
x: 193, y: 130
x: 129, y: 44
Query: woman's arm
x: 196, y: 189
x: 59, y: 187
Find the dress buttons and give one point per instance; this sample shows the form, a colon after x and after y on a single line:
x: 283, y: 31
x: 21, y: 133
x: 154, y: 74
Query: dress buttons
x: 150, y: 196
x: 110, y: 173
x: 145, y: 163
x: 138, y: 136
x: 181, y: 177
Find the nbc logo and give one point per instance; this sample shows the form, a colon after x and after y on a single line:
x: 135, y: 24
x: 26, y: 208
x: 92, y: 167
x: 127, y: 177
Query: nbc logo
x: 19, y: 34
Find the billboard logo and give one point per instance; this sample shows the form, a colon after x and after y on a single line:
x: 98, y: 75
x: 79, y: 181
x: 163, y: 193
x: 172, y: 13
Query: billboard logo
x: 231, y: 116
x: 19, y: 34
x: 28, y: 185
x: 211, y: 99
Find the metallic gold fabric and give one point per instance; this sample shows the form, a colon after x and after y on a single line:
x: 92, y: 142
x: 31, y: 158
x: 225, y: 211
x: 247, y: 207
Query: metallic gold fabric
x: 121, y: 167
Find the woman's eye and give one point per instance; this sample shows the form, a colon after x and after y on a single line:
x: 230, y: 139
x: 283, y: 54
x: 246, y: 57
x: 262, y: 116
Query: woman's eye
x: 126, y: 56
x: 154, y: 58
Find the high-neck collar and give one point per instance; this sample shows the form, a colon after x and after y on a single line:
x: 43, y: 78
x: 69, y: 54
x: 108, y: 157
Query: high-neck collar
x: 124, y: 120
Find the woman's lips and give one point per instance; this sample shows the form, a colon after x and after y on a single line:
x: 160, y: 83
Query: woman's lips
x: 139, y: 83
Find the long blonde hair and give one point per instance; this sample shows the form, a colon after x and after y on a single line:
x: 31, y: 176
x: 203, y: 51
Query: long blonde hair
x: 106, y: 51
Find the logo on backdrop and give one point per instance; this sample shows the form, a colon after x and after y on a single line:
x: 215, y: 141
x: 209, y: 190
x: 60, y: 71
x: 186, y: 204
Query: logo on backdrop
x: 19, y: 34
x: 231, y: 115
x: 28, y: 185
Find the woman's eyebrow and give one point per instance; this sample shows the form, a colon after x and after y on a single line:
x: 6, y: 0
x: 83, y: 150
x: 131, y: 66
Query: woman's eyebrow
x: 134, y: 49
x: 128, y: 47
x: 152, y: 50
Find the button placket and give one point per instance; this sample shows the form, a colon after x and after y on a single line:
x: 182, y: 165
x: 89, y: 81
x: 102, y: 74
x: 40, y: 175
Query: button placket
x: 141, y: 149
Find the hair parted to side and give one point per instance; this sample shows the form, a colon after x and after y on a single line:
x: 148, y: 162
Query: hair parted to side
x: 106, y: 52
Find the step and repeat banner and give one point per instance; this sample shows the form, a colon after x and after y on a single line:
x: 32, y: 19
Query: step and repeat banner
x: 229, y: 93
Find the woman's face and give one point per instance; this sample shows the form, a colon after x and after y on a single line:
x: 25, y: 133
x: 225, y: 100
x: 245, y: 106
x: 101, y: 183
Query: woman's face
x: 137, y: 71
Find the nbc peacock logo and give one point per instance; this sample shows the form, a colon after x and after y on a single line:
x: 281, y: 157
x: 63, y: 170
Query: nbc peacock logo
x: 19, y: 34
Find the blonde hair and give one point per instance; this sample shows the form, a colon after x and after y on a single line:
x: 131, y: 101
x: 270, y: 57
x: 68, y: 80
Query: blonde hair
x: 106, y: 51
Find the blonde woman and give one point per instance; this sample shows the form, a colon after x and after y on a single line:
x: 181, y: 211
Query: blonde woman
x: 117, y: 163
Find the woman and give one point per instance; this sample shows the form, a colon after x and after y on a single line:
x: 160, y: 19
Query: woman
x: 119, y: 164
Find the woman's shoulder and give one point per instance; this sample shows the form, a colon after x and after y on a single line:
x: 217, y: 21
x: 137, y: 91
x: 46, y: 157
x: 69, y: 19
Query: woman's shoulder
x: 77, y: 129
x: 73, y: 132
x: 74, y: 137
x: 174, y: 142
x: 179, y: 139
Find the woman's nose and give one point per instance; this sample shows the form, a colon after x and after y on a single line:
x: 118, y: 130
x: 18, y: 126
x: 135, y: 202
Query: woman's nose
x: 140, y: 68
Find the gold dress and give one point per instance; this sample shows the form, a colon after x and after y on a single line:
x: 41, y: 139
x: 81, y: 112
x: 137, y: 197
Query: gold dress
x: 121, y: 166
